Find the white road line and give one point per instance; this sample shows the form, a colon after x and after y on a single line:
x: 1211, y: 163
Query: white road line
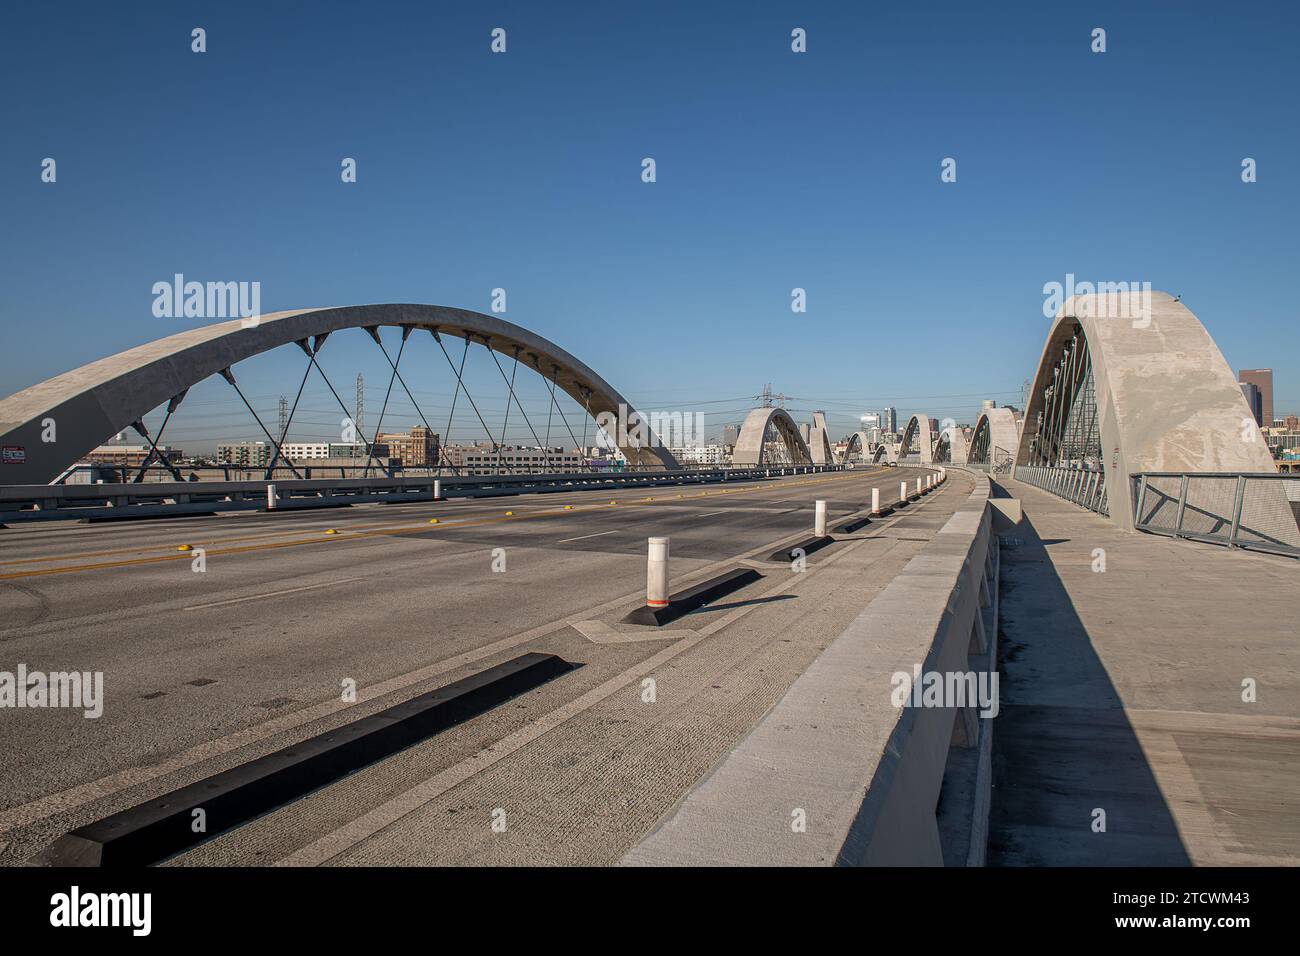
x: 268, y: 594
x: 711, y: 514
x: 581, y: 536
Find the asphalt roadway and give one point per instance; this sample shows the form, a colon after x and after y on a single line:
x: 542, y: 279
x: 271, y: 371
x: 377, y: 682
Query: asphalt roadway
x: 204, y: 670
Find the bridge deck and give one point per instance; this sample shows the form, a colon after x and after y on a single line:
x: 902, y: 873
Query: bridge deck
x: 1122, y: 691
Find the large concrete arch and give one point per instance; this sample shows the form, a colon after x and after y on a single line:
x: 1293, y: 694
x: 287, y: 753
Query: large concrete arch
x: 96, y: 401
x: 819, y: 441
x: 917, y: 438
x: 1166, y: 399
x: 996, y: 438
x: 751, y: 444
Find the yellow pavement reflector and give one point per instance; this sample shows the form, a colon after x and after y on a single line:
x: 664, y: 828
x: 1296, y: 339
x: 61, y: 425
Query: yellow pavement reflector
x: 613, y: 502
x: 433, y: 521
x: 568, y: 507
x: 509, y: 513
x: 331, y: 531
x: 186, y: 547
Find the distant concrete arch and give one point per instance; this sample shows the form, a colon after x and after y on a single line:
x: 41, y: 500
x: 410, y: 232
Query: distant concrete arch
x: 951, y: 448
x: 1159, y: 394
x: 885, y: 453
x: 751, y: 443
x: 995, y: 440
x: 917, y: 439
x: 92, y: 403
x: 859, y: 443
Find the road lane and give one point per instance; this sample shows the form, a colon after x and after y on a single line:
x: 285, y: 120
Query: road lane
x: 270, y: 633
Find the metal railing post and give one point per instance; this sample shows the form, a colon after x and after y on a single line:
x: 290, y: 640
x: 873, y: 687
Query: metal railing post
x: 1239, y: 502
x: 1182, y: 502
x: 1142, y: 497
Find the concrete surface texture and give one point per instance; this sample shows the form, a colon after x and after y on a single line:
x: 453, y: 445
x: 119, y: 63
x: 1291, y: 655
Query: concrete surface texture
x: 92, y: 403
x: 751, y: 442
x: 203, y: 671
x: 1125, y: 658
x: 1166, y: 397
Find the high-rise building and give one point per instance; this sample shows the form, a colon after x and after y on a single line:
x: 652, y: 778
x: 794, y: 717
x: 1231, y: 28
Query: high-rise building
x: 889, y: 419
x: 1254, y: 401
x: 730, y: 433
x: 1262, y: 379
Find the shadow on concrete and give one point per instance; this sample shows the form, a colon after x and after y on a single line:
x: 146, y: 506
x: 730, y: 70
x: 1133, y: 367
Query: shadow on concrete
x: 1063, y: 747
x: 736, y: 604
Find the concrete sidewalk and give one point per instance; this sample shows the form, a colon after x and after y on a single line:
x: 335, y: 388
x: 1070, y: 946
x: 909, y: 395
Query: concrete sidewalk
x: 1122, y: 694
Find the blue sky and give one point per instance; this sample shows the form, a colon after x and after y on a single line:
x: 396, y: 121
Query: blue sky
x: 775, y: 171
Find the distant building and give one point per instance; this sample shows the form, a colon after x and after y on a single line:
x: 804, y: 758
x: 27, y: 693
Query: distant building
x: 730, y: 435
x: 700, y: 454
x: 131, y: 456
x: 486, y: 460
x: 299, y: 451
x: 987, y: 406
x: 244, y: 454
x: 1254, y: 400
x: 417, y: 448
x: 889, y: 420
x: 1262, y: 379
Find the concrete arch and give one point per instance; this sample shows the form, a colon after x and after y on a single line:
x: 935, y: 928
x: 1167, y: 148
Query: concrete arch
x: 885, y: 453
x: 751, y: 444
x: 996, y: 438
x: 858, y: 443
x: 918, y: 439
x: 819, y: 441
x: 1166, y: 399
x: 952, y: 448
x: 98, y: 400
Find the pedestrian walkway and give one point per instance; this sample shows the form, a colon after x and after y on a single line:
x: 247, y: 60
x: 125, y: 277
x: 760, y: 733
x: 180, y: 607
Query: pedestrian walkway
x: 1123, y: 737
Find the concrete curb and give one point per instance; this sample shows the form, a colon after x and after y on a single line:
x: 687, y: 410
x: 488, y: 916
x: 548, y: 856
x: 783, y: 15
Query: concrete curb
x: 163, y: 826
x: 695, y: 597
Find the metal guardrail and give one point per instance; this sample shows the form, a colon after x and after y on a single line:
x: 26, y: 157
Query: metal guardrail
x: 1255, y: 510
x: 20, y: 503
x: 1082, y: 486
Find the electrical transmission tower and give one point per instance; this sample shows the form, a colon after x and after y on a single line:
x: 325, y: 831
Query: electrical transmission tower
x: 359, y: 419
x: 765, y: 397
x: 284, y: 416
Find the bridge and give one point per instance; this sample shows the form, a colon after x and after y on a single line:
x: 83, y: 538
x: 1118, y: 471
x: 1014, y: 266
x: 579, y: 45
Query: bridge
x: 668, y: 664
